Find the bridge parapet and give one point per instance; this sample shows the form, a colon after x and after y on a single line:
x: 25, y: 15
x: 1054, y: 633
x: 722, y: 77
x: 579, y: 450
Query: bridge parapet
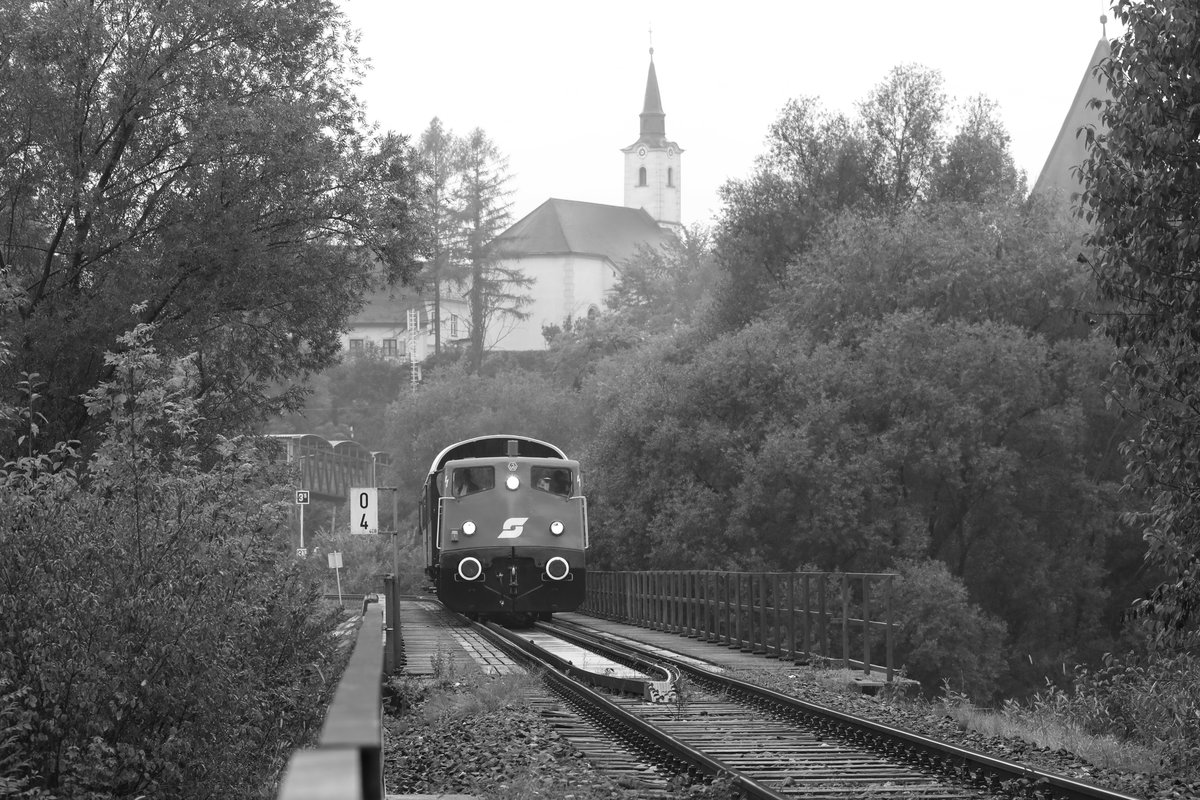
x: 349, y: 760
x: 797, y: 616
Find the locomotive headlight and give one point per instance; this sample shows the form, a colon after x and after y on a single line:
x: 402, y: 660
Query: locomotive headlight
x: 556, y: 528
x: 512, y: 482
x: 469, y: 568
x: 468, y: 527
x: 557, y: 568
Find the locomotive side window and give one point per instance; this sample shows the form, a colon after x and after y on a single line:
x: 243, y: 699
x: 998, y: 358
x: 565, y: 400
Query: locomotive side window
x: 469, y: 480
x: 555, y: 480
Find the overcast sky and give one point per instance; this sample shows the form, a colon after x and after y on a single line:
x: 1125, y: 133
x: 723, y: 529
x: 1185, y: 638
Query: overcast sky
x: 558, y: 84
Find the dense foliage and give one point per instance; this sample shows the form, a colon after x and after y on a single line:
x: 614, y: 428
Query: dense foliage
x: 156, y: 637
x: 204, y: 164
x: 198, y: 175
x: 1142, y: 194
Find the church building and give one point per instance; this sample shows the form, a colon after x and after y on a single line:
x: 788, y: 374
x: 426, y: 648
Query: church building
x: 571, y: 250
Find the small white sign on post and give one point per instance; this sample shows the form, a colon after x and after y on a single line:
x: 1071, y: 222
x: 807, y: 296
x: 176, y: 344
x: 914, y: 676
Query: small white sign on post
x: 364, y: 511
x: 335, y: 564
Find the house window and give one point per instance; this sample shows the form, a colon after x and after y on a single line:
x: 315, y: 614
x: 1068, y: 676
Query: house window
x: 356, y: 346
x: 641, y: 176
x: 670, y: 176
x: 389, y: 348
x: 454, y: 326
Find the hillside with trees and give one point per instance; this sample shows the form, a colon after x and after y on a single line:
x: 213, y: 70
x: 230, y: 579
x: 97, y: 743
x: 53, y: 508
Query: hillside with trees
x: 883, y: 357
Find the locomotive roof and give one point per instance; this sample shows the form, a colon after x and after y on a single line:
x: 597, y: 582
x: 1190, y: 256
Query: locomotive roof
x: 495, y: 445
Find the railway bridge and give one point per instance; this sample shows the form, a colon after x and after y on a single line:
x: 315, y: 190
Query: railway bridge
x: 329, y: 469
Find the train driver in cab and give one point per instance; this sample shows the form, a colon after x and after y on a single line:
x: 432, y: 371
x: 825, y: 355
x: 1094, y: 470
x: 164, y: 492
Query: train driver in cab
x: 553, y: 480
x: 469, y: 480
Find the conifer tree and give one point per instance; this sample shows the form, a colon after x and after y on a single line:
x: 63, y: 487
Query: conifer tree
x: 496, y: 292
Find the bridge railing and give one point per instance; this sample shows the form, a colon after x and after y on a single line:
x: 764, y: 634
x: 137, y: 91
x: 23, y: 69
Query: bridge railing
x: 799, y: 616
x: 348, y: 761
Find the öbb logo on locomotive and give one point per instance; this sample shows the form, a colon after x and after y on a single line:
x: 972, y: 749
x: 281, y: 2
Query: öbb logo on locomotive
x: 526, y: 495
x: 513, y: 526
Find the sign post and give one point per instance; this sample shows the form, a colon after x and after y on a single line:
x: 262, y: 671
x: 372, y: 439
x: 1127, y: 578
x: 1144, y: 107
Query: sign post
x: 302, y: 501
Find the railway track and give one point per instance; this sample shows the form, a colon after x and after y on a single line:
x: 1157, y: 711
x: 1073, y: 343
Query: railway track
x: 765, y: 744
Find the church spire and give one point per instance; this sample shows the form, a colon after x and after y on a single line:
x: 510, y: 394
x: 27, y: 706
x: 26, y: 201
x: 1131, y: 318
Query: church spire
x: 654, y: 121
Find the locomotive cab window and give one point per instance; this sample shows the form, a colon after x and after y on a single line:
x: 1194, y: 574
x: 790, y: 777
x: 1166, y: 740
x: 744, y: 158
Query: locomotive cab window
x: 555, y: 480
x: 470, y: 480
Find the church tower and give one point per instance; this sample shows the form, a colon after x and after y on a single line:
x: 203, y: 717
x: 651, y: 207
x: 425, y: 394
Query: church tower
x: 652, y: 163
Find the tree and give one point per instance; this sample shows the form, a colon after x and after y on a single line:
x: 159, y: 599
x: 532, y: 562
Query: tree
x: 902, y: 117
x: 350, y: 399
x: 977, y: 164
x: 495, y: 290
x: 1142, y: 178
x: 438, y: 158
x: 815, y: 165
x: 203, y: 165
x: 989, y: 261
x: 160, y: 636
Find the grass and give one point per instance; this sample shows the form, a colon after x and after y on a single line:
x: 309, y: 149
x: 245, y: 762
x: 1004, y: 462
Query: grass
x: 1055, y: 732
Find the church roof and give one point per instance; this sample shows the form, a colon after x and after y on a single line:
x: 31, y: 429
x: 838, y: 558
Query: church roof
x: 573, y: 227
x: 1069, y: 149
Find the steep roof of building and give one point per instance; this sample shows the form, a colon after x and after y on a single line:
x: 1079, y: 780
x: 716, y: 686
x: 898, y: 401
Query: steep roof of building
x: 1069, y: 149
x: 573, y: 227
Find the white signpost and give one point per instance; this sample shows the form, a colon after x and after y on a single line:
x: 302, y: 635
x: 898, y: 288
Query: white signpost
x: 302, y: 501
x: 364, y: 511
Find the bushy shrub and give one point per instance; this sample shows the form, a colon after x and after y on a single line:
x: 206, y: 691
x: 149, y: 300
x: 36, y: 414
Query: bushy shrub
x: 1148, y: 699
x: 158, y: 637
x: 943, y: 638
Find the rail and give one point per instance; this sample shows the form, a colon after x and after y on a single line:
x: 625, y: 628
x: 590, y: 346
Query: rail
x: 779, y: 614
x: 348, y: 761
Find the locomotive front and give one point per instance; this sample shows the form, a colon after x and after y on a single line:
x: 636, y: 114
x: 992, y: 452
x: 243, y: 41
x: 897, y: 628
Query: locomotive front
x: 508, y: 534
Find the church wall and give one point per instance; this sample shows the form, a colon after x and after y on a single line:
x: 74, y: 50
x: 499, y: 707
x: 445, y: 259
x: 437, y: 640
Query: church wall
x: 564, y: 285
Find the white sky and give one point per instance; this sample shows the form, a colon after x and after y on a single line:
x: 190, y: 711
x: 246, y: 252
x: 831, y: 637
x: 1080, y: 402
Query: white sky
x: 558, y: 84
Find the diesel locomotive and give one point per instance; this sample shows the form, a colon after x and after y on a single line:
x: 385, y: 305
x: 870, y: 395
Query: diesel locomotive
x: 504, y: 525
